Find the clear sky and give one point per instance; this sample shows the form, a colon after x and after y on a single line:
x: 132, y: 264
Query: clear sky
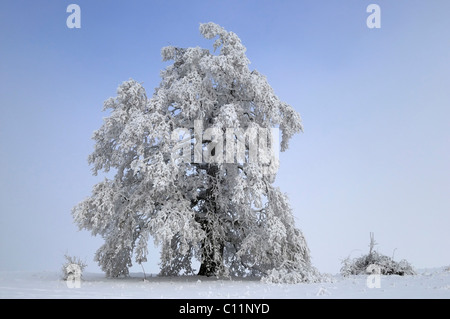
x: 375, y: 104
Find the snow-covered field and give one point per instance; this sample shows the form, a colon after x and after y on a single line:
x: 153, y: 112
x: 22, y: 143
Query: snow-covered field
x: 428, y: 283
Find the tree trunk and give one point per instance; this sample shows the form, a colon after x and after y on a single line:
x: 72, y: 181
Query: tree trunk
x: 212, y: 246
x: 212, y: 249
x: 211, y: 260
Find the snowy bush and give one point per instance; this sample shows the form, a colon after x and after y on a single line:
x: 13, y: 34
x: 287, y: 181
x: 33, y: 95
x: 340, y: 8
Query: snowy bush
x: 73, y: 267
x: 386, y: 265
x: 374, y: 261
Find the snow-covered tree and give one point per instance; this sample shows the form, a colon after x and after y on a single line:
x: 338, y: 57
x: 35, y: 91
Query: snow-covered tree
x: 194, y: 169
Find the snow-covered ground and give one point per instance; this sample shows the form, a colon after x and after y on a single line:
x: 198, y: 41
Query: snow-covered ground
x: 428, y: 283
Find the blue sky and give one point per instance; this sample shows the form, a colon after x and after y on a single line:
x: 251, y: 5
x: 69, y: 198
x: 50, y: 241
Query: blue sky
x: 375, y: 104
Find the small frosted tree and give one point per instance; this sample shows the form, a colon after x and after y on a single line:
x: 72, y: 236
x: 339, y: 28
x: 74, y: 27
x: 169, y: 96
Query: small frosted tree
x: 73, y: 267
x: 188, y: 174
